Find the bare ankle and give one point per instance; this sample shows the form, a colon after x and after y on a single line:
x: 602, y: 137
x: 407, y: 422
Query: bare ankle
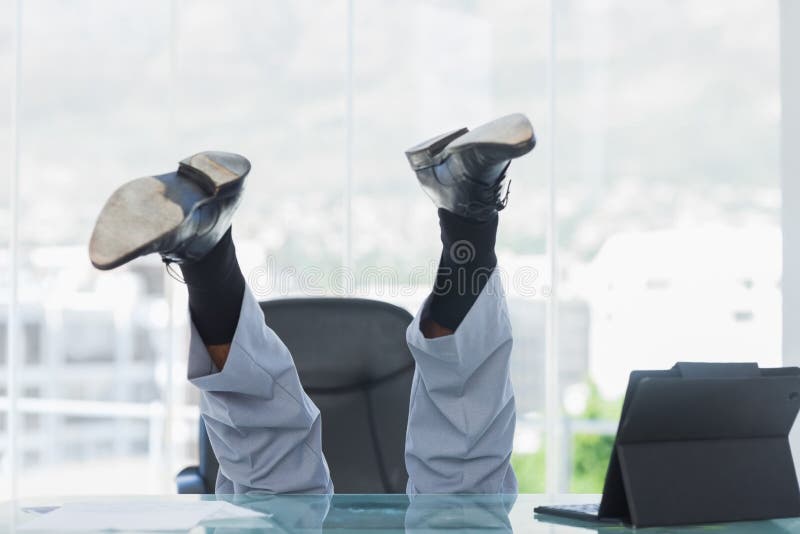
x: 219, y: 354
x: 431, y: 329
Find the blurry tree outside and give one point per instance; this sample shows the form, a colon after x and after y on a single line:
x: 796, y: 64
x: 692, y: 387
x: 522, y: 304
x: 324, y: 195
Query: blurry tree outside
x: 590, y: 452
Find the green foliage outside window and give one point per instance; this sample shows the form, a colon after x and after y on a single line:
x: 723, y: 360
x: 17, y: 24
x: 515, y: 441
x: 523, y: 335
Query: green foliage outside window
x: 590, y: 452
x: 529, y: 468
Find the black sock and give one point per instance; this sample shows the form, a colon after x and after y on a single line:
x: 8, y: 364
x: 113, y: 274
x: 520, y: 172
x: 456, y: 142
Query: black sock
x: 216, y: 289
x: 467, y: 261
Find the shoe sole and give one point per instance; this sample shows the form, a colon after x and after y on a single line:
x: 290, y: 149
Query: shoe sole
x: 146, y: 210
x: 513, y: 133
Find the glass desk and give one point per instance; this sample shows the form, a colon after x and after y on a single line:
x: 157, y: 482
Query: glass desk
x: 391, y: 513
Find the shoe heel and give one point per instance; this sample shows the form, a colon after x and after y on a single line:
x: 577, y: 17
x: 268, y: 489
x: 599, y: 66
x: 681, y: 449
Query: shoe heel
x: 216, y: 173
x: 424, y: 154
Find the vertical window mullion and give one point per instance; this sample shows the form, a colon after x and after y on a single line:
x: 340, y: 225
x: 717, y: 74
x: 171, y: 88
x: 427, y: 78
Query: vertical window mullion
x: 12, y: 339
x: 347, y: 252
x: 553, y: 453
x: 165, y: 454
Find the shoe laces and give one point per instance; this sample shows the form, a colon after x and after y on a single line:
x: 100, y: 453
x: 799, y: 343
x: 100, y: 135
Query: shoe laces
x: 171, y: 271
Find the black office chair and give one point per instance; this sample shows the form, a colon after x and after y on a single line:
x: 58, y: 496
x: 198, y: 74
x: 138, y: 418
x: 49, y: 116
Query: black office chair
x: 353, y: 362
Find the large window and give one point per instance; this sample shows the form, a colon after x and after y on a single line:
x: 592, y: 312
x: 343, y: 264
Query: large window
x: 654, y: 193
x: 668, y: 199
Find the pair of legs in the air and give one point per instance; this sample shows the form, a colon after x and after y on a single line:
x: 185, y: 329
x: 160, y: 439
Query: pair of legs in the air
x: 264, y: 430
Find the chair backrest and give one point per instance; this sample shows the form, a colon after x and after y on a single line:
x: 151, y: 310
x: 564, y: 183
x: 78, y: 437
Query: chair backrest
x: 353, y: 361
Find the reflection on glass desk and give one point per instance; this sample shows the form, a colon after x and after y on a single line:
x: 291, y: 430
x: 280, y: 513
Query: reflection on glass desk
x: 391, y: 513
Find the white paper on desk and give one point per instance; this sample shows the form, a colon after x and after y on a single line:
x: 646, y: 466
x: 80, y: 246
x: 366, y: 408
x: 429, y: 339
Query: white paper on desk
x: 136, y: 515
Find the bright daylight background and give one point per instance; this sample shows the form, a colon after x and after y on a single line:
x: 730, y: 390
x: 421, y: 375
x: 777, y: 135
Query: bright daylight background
x: 663, y: 132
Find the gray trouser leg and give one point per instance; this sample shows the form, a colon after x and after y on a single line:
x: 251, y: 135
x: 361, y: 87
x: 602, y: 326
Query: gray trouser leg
x: 264, y: 430
x: 461, y: 419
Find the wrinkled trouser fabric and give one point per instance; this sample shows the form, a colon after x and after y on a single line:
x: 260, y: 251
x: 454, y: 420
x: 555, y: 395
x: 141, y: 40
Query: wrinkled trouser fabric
x: 266, y: 432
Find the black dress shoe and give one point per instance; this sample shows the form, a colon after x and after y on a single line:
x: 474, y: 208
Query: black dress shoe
x: 464, y: 171
x: 181, y: 215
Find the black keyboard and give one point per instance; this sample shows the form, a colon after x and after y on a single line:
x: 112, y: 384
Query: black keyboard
x: 582, y: 512
x: 578, y: 509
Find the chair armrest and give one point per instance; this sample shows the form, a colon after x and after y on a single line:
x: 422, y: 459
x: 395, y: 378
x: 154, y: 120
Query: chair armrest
x: 190, y: 481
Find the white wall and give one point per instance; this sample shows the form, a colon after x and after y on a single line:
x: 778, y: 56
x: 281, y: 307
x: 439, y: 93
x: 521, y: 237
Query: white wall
x: 790, y: 182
